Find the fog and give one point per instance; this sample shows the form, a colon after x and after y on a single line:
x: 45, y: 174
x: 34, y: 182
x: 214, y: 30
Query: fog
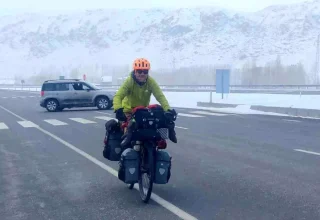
x: 262, y: 45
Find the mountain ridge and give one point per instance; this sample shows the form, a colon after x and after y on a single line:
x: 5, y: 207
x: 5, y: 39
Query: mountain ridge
x: 170, y: 38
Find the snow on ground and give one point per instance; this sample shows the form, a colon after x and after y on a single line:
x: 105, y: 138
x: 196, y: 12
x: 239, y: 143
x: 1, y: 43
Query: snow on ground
x: 22, y: 88
x: 274, y: 100
x: 190, y: 99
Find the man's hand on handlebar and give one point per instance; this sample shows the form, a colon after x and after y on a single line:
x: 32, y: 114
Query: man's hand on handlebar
x: 120, y: 115
x: 171, y: 114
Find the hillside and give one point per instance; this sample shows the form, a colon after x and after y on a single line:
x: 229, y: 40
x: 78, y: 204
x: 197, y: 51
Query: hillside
x: 169, y: 38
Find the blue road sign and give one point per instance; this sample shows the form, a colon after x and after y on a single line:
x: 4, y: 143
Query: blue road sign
x: 222, y: 81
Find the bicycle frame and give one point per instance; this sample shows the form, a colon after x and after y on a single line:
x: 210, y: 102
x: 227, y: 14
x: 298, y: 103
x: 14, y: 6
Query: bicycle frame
x: 147, y: 135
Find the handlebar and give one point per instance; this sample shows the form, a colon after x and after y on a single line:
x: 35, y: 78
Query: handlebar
x: 170, y: 115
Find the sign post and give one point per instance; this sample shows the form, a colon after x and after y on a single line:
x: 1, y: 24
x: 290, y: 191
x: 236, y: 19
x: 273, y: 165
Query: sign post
x: 22, y: 83
x: 222, y: 81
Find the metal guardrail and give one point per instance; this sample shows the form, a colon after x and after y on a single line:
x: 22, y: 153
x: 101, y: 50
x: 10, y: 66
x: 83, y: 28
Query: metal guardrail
x: 274, y: 89
x: 232, y: 87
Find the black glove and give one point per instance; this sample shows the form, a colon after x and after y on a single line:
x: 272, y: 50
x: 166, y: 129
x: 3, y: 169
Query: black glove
x: 171, y: 114
x: 120, y: 115
x: 173, y: 111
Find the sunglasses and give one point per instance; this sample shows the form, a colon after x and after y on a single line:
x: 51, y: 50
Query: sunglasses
x: 142, y: 72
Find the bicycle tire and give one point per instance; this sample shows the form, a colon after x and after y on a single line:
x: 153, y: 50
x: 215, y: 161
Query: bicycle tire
x: 146, y: 198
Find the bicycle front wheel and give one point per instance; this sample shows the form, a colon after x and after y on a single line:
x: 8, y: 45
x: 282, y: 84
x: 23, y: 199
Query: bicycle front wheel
x: 147, y: 177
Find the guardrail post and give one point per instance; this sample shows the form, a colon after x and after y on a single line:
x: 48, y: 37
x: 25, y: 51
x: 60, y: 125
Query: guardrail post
x: 210, y: 96
x: 299, y: 91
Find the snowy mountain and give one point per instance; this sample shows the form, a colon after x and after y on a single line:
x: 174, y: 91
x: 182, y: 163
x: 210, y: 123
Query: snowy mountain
x: 168, y: 37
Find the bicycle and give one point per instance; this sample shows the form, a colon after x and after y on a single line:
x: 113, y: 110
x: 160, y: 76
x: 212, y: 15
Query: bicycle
x: 144, y: 160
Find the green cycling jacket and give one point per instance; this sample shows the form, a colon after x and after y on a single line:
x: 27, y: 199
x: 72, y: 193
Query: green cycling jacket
x: 131, y: 95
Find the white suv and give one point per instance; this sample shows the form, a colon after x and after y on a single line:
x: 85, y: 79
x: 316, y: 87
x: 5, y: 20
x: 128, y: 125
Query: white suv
x: 69, y: 93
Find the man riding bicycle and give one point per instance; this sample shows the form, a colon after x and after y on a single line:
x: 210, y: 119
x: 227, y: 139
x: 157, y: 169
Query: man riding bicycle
x: 136, y: 91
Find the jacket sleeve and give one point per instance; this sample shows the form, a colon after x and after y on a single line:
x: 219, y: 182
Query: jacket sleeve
x: 120, y: 94
x: 158, y: 94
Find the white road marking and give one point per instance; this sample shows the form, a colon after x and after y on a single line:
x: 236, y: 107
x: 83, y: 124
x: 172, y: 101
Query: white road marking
x: 27, y: 124
x: 55, y: 122
x: 307, y: 152
x: 82, y: 120
x: 291, y: 120
x: 169, y: 206
x: 13, y: 113
x: 181, y: 127
x: 208, y: 113
x: 106, y: 118
x: 189, y: 115
x: 3, y: 126
x: 13, y: 97
x: 105, y: 113
x: 4, y: 97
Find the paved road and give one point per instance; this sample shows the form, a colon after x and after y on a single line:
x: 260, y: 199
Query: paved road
x: 225, y: 166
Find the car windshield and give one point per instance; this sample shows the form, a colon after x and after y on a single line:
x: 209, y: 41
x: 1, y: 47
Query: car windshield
x: 93, y: 86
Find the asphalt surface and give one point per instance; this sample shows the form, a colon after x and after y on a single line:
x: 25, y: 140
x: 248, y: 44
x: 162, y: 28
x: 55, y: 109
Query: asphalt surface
x: 225, y: 166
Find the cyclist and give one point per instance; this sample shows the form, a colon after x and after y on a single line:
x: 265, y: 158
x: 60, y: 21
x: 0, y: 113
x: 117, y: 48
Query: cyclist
x: 136, y: 91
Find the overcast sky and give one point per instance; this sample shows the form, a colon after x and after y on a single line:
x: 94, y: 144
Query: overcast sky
x: 13, y: 6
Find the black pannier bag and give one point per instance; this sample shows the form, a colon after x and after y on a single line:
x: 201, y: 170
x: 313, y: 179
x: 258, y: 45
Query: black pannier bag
x: 154, y: 114
x: 129, y: 166
x: 162, y: 167
x: 148, y: 123
x: 112, y: 148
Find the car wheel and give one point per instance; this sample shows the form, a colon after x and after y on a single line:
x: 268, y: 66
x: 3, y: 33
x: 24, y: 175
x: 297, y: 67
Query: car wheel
x: 52, y: 105
x: 103, y: 103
